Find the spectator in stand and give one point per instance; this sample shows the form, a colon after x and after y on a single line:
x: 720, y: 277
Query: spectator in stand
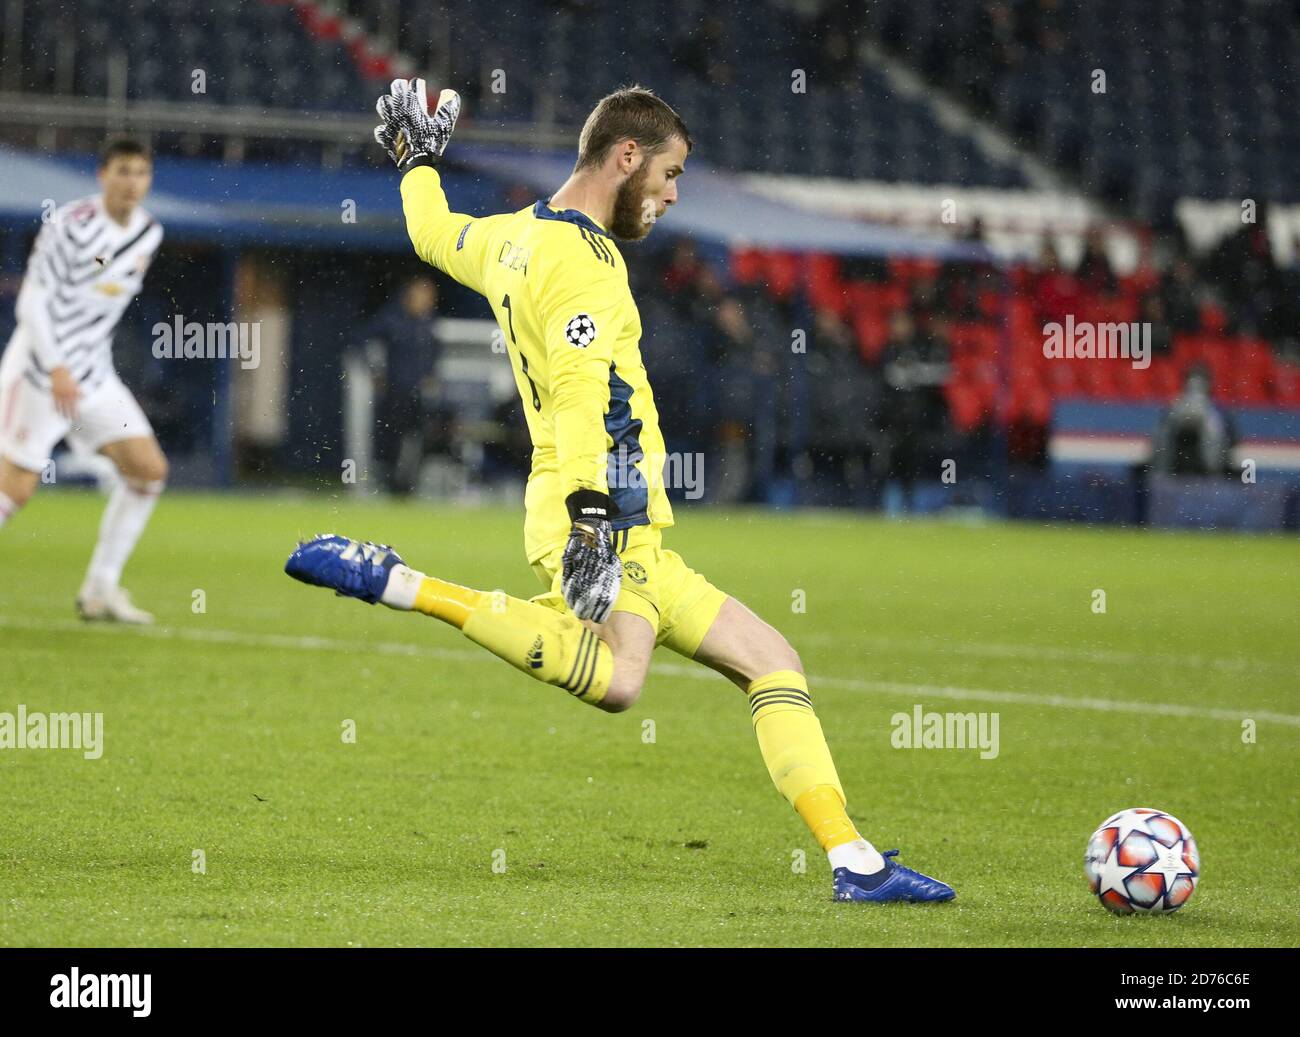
x: 1094, y: 272
x: 1181, y: 298
x: 915, y: 369
x: 1151, y: 310
x: 1286, y: 315
x: 1194, y: 437
x: 1003, y: 31
x: 1049, y: 26
x: 404, y: 361
x: 1056, y: 291
x: 957, y: 291
x: 834, y: 27
x: 746, y: 398
x: 700, y: 53
x: 683, y: 270
x: 702, y: 302
x: 925, y: 296
x: 874, y: 269
x: 1242, y: 267
x: 844, y: 397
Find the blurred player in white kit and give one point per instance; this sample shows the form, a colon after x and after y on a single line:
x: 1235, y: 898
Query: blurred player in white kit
x: 57, y: 378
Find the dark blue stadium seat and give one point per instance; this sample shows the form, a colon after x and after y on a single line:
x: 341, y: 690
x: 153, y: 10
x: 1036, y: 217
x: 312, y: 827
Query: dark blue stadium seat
x: 558, y: 59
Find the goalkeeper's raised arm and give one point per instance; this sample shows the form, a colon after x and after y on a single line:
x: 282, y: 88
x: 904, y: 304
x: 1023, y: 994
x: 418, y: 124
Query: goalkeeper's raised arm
x: 440, y: 236
x: 415, y: 141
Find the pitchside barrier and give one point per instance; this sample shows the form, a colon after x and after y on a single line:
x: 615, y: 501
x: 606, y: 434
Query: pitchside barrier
x: 472, y: 381
x: 1099, y: 453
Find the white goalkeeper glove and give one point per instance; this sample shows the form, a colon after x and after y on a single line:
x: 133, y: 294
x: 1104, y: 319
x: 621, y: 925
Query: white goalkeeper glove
x: 411, y: 136
x: 591, y: 573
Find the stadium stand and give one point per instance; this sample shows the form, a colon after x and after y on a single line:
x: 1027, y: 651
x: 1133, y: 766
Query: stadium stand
x: 926, y: 347
x: 1197, y: 97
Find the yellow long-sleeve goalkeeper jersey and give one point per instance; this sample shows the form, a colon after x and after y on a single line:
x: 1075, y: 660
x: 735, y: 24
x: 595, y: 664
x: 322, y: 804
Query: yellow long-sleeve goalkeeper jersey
x: 559, y: 290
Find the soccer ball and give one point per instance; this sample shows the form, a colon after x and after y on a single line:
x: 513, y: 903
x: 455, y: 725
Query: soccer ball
x: 1142, y: 860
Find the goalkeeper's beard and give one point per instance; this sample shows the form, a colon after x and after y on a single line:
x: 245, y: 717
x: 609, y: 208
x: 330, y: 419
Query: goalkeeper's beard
x: 628, y: 222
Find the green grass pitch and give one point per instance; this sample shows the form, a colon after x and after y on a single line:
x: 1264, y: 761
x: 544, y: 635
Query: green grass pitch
x: 223, y: 734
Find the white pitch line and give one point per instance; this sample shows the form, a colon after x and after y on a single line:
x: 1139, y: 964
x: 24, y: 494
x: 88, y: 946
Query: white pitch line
x: 1099, y: 705
x: 297, y: 642
x: 1046, y: 653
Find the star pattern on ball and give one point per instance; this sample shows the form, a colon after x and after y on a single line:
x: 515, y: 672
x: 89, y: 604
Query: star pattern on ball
x: 1169, y: 862
x: 580, y: 331
x: 1112, y: 874
x: 1128, y: 821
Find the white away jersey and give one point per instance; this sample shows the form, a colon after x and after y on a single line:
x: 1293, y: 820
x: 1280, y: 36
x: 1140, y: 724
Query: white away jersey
x: 83, y: 273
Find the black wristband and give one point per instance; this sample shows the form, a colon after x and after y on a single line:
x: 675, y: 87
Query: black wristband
x: 418, y: 160
x: 590, y: 506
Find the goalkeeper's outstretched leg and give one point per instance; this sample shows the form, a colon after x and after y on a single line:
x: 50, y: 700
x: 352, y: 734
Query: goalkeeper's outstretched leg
x: 604, y: 666
x: 754, y: 656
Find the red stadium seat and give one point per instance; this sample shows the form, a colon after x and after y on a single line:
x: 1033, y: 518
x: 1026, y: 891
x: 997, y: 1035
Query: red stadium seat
x: 1286, y: 385
x: 1221, y: 359
x: 1124, y: 309
x: 1213, y: 320
x: 859, y: 297
x: 974, y: 339
x: 1188, y: 350
x: 1022, y: 280
x: 1098, y: 379
x: 1256, y: 357
x: 782, y: 269
x: 1062, y: 378
x: 1030, y: 404
x: 1133, y: 383
x: 909, y: 269
x: 1164, y: 378
x: 968, y: 367
x: 966, y: 405
x: 1140, y: 282
x: 825, y: 287
x: 1027, y: 345
x: 893, y: 296
x: 872, y: 330
x: 1023, y: 319
x: 747, y: 265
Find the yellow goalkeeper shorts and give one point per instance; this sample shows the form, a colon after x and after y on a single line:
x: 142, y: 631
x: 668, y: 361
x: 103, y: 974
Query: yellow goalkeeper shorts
x: 658, y: 586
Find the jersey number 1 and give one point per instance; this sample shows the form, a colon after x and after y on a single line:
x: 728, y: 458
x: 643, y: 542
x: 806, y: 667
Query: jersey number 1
x: 523, y: 360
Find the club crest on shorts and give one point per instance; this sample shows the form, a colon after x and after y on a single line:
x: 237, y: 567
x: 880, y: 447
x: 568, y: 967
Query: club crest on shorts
x: 580, y: 331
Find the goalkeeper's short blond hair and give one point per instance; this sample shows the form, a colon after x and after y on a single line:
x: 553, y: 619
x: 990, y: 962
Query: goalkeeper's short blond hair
x: 631, y: 113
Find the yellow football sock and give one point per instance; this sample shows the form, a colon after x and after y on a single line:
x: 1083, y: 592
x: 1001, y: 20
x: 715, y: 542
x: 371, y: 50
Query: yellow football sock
x: 823, y: 812
x: 548, y: 645
x: 795, y: 751
x: 449, y: 602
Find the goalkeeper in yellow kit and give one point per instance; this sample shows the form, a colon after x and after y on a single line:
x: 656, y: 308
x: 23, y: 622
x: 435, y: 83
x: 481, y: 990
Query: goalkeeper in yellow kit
x: 595, y: 501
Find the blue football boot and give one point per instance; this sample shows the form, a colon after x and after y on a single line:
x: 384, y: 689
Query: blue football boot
x: 896, y: 883
x: 350, y: 568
